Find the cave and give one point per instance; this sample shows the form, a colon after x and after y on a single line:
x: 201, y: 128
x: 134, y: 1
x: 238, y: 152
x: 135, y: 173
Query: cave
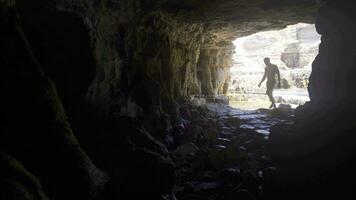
x: 131, y: 99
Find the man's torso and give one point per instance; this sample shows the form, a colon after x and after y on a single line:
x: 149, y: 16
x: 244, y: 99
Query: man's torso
x: 271, y: 72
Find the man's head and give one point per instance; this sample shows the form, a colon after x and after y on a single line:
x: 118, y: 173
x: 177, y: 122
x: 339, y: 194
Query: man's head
x: 267, y: 61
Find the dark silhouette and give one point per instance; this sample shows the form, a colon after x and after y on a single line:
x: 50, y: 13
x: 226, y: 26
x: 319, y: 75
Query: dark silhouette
x: 271, y: 71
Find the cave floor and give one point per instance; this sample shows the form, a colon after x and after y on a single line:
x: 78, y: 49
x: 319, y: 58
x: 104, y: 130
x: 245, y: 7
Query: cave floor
x: 260, y: 120
x: 235, y: 163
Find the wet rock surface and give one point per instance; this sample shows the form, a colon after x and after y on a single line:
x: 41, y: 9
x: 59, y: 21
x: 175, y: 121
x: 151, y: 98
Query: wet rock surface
x: 232, y: 162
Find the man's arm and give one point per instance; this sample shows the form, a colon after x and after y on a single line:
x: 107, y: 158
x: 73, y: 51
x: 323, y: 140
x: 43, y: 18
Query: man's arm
x: 263, y: 79
x: 279, y: 77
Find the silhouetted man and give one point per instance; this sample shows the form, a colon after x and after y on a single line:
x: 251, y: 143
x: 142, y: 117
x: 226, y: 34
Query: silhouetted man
x: 271, y: 71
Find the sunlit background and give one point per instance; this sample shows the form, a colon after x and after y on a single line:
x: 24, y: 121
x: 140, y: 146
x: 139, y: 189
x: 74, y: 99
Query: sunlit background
x: 292, y: 49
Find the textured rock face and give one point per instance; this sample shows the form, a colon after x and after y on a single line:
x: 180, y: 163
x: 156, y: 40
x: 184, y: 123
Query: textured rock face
x: 169, y: 49
x: 331, y: 78
x: 214, y: 70
x: 291, y: 56
x: 324, y: 138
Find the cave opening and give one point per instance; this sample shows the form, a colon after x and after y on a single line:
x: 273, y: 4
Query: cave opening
x: 293, y: 49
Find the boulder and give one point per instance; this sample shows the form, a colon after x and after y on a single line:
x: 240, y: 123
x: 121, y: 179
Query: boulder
x: 225, y: 158
x: 234, y: 122
x: 188, y: 149
x: 191, y: 134
x: 210, y: 134
x: 230, y: 177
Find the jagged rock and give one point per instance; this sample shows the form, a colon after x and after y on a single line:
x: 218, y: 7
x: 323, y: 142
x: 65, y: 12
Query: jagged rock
x: 230, y: 177
x: 185, y: 150
x: 227, y: 135
x: 169, y: 141
x: 210, y: 134
x: 219, y: 147
x: 285, y: 107
x: 208, y: 187
x: 191, y: 134
x: 283, y: 112
x: 225, y: 158
x: 234, y: 122
x: 291, y: 56
x: 195, y: 115
x: 222, y: 141
x: 17, y: 183
x: 208, y: 176
x: 158, y: 123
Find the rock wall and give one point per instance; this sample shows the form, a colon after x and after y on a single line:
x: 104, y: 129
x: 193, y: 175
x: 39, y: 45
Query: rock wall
x: 331, y: 79
x: 323, y: 139
x: 214, y: 69
x: 36, y: 129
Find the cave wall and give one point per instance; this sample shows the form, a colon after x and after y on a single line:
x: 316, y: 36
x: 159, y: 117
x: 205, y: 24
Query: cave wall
x: 36, y: 129
x: 84, y: 79
x: 140, y: 54
x: 323, y: 139
x: 214, y: 69
x: 331, y: 79
x: 330, y: 85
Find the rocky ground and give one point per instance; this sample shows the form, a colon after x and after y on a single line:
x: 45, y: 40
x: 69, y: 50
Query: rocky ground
x: 253, y: 101
x: 227, y: 157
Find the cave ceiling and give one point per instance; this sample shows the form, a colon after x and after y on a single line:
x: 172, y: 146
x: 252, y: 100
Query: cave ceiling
x: 224, y: 20
x: 227, y: 20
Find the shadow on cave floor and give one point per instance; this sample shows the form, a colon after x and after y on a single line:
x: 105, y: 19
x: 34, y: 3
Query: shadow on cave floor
x: 235, y: 164
x: 259, y: 120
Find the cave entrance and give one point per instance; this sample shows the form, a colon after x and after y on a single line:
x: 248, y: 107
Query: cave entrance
x: 292, y: 49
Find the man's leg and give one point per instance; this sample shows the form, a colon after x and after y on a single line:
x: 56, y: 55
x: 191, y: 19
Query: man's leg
x: 271, y: 98
x: 269, y: 93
